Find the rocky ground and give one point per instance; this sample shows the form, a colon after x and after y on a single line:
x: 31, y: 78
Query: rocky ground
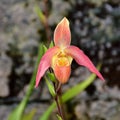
x: 102, y: 104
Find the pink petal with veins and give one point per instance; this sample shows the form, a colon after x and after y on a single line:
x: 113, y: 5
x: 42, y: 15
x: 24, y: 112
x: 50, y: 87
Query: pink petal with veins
x: 45, y: 63
x: 62, y: 35
x: 82, y: 59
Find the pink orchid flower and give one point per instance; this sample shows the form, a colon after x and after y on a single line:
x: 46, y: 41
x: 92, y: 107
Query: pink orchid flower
x: 60, y: 57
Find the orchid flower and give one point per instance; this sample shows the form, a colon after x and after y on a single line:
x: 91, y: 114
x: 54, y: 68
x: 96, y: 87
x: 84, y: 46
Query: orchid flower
x: 60, y: 57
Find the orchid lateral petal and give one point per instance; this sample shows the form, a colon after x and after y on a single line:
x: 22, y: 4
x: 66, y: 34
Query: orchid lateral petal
x: 82, y: 59
x: 62, y: 35
x: 45, y: 63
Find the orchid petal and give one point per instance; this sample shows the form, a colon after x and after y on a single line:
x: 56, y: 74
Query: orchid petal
x: 82, y: 59
x: 45, y: 63
x: 62, y: 35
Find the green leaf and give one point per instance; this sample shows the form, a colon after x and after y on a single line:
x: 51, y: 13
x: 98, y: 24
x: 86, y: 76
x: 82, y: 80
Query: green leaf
x: 75, y: 90
x: 59, y: 118
x: 46, y: 115
x: 72, y: 92
x: 17, y: 113
x: 40, y: 14
x: 50, y: 87
x: 51, y: 44
x: 30, y: 115
x: 51, y: 76
x: 44, y: 49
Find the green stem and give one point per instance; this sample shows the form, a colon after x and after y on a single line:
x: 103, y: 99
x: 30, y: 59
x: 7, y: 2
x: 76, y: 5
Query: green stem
x: 58, y: 100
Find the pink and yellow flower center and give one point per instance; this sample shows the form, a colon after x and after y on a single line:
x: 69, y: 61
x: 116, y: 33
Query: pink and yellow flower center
x: 63, y: 61
x: 61, y: 64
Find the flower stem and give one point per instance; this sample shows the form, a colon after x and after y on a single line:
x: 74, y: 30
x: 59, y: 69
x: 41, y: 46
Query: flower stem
x: 57, y: 87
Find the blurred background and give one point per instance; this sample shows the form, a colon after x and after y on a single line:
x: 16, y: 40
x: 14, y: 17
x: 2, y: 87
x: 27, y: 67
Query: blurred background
x: 95, y: 28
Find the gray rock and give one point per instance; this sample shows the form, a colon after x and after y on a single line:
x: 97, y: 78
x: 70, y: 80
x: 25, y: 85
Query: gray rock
x: 5, y: 69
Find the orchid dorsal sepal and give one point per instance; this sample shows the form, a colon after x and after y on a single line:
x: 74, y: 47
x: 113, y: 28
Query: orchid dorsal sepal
x: 62, y: 34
